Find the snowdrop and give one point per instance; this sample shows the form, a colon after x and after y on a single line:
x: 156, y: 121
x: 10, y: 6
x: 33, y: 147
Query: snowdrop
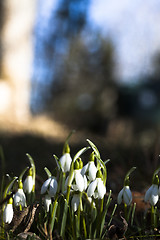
x: 66, y: 160
x: 96, y: 188
x: 28, y: 183
x: 125, y: 195
x: 19, y: 197
x: 77, y: 181
x: 47, y: 202
x: 8, y: 212
x: 90, y: 169
x: 152, y: 194
x: 50, y: 186
x: 75, y: 202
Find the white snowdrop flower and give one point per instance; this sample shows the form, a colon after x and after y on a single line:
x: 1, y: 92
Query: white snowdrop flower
x: 96, y: 188
x: 28, y: 183
x: 152, y: 194
x: 45, y: 186
x: 20, y: 198
x: 66, y: 159
x: 125, y: 195
x: 85, y: 182
x: 53, y: 187
x: 90, y: 169
x: 8, y: 212
x: 47, y: 202
x: 77, y: 181
x: 50, y: 186
x: 75, y: 202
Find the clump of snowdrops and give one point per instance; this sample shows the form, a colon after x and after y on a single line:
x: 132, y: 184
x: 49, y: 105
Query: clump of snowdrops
x: 74, y: 202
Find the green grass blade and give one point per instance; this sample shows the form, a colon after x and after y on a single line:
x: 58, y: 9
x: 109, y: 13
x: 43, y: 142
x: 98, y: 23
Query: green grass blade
x: 64, y: 219
x: 53, y: 215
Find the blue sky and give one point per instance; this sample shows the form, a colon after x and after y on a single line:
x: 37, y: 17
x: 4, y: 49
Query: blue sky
x: 134, y: 27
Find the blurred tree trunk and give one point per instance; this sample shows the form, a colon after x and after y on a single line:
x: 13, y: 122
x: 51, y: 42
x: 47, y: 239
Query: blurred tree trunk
x: 16, y: 26
x: 1, y: 27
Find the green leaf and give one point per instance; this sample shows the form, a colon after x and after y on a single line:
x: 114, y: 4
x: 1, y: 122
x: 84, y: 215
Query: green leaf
x: 95, y: 149
x: 77, y: 223
x: 101, y: 163
x: 22, y: 173
x: 113, y: 212
x: 64, y: 219
x: 53, y: 215
x: 57, y: 162
x: 79, y: 153
x: 8, y: 187
x: 105, y: 212
x: 34, y: 170
x: 133, y: 213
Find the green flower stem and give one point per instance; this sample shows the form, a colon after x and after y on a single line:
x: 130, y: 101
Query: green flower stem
x: 68, y: 193
x: 125, y: 211
x: 152, y: 216
x: 63, y: 180
x: 84, y: 227
x: 52, y: 219
x: 155, y: 217
x: 101, y: 205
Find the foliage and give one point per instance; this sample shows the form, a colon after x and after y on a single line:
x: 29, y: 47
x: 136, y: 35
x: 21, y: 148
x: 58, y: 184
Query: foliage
x: 73, y: 203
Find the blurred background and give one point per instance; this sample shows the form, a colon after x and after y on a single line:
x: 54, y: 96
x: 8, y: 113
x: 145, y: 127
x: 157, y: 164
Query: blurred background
x: 92, y: 66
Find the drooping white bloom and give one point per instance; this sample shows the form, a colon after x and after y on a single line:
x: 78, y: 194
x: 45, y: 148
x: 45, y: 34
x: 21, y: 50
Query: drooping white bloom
x: 47, y: 202
x: 8, y: 212
x: 78, y: 182
x: 75, y: 202
x: 125, y: 195
x: 152, y: 194
x: 28, y: 184
x: 90, y: 170
x: 65, y: 161
x: 50, y: 186
x: 20, y: 198
x: 96, y: 189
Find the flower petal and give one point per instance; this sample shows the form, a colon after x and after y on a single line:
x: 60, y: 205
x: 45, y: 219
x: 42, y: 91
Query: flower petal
x: 79, y: 181
x: 53, y: 187
x: 85, y: 182
x: 8, y: 213
x: 28, y: 184
x: 75, y: 202
x: 47, y: 202
x: 92, y: 171
x: 19, y: 198
x: 127, y: 195
x: 65, y: 161
x: 101, y: 188
x: 84, y: 169
x: 45, y: 185
x: 148, y: 194
x: 91, y: 188
x: 120, y: 195
x: 154, y: 195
